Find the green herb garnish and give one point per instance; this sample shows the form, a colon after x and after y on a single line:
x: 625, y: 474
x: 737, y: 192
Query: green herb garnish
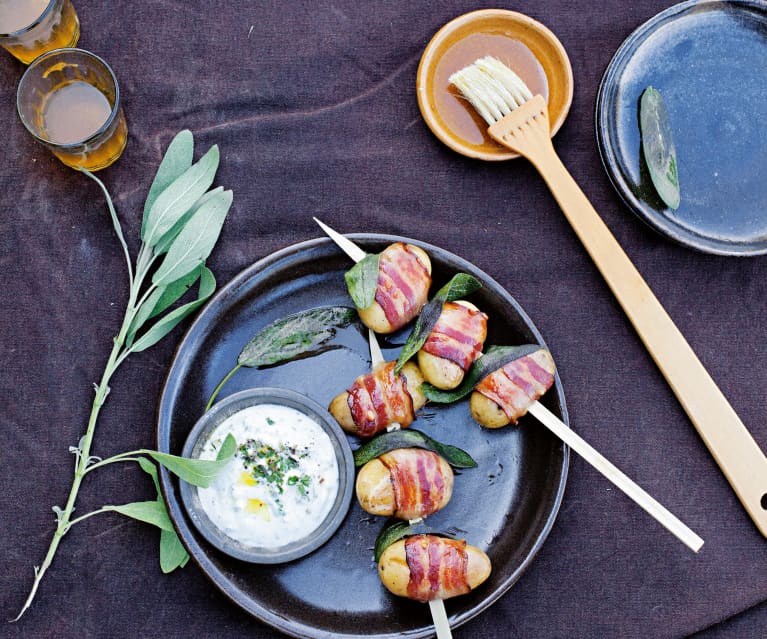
x: 362, y: 280
x: 273, y: 467
x: 181, y: 224
x: 285, y: 339
x: 411, y: 438
x: 461, y: 285
x: 658, y: 146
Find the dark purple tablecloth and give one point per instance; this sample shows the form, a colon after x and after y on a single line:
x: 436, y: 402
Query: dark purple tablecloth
x: 314, y: 109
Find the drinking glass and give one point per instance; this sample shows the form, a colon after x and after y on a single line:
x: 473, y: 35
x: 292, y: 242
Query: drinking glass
x: 69, y: 100
x: 29, y: 28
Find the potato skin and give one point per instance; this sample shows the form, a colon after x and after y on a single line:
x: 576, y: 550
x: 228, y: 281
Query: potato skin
x: 486, y: 412
x: 395, y: 573
x: 440, y: 372
x: 374, y: 489
x: 339, y: 406
x: 373, y: 316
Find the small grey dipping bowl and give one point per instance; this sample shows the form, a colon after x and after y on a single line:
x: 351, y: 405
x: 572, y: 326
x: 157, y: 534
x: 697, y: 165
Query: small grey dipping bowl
x: 313, y: 539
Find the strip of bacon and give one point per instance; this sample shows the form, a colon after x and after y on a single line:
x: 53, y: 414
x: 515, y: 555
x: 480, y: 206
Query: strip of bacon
x: 458, y: 335
x: 438, y: 567
x: 417, y: 482
x: 380, y: 398
x: 515, y: 386
x: 403, y: 284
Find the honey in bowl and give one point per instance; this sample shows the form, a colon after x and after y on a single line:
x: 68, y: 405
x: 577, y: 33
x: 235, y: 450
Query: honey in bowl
x: 29, y: 28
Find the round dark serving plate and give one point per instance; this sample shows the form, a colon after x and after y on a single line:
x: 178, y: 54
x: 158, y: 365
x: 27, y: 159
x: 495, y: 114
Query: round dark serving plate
x: 506, y: 506
x: 708, y: 60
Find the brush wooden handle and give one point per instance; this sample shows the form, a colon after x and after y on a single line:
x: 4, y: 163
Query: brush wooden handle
x: 732, y: 446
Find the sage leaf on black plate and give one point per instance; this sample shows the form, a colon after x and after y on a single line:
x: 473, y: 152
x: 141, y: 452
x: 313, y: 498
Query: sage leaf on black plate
x: 411, y: 438
x: 177, y: 159
x: 168, y: 322
x: 196, y: 240
x: 362, y: 280
x: 658, y: 146
x: 198, y: 472
x: 460, y: 285
x: 179, y: 197
x: 492, y: 360
x: 291, y: 337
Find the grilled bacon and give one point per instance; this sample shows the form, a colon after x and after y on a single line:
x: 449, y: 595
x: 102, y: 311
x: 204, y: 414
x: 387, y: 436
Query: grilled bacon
x: 504, y: 395
x: 453, y: 344
x: 404, y: 277
x: 378, y: 399
x: 406, y: 483
x: 428, y: 567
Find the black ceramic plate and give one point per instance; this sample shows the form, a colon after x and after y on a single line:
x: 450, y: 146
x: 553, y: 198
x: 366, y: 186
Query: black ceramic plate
x: 709, y: 61
x: 506, y: 506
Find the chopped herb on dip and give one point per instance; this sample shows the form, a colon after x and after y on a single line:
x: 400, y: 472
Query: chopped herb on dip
x: 281, y: 482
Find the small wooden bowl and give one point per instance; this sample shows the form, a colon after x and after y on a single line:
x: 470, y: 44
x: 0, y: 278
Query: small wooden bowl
x: 517, y: 40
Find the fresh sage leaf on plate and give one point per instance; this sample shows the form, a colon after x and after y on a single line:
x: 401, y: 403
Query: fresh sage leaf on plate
x: 179, y: 197
x: 492, y: 360
x: 362, y: 280
x: 411, y: 438
x: 291, y: 337
x: 460, y: 285
x: 658, y: 146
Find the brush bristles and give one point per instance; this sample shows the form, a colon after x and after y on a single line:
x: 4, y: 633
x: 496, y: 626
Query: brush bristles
x: 493, y: 89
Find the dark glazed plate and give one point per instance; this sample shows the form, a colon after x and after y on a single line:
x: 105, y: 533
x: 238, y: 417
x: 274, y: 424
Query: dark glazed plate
x: 506, y: 506
x: 709, y: 61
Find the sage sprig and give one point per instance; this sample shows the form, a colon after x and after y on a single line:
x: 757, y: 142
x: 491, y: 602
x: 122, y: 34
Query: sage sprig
x: 362, y: 280
x: 181, y: 224
x: 291, y: 337
x: 411, y: 438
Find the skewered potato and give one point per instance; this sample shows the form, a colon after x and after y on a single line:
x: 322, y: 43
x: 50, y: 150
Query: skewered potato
x: 453, y: 344
x: 378, y: 399
x: 428, y: 567
x: 406, y: 483
x: 504, y: 395
x: 404, y: 277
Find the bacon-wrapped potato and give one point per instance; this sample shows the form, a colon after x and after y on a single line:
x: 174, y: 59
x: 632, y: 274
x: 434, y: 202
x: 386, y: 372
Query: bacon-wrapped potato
x: 428, y: 567
x: 378, y: 399
x: 503, y: 396
x: 406, y: 483
x: 404, y: 277
x: 453, y: 344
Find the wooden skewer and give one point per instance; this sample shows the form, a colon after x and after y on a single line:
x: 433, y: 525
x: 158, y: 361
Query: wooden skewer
x: 436, y: 606
x: 569, y: 437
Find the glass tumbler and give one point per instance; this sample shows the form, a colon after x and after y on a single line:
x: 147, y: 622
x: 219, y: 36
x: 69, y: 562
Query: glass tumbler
x: 69, y: 100
x: 29, y: 28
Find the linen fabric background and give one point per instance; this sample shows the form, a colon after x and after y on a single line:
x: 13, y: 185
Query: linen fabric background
x: 314, y: 109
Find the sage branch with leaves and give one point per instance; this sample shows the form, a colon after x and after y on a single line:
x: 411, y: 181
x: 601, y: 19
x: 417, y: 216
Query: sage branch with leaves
x: 182, y: 221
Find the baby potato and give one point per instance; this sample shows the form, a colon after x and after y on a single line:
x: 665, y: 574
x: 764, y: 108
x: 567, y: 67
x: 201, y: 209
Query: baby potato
x: 486, y: 412
x: 396, y: 575
x: 439, y: 371
x: 407, y: 483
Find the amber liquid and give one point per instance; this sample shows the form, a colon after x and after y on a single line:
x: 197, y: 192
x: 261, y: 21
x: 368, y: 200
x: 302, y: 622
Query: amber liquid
x: 58, y: 28
x: 455, y: 111
x: 72, y: 115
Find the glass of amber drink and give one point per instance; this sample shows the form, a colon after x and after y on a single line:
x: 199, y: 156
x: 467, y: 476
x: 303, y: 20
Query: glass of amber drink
x: 69, y: 100
x: 29, y: 28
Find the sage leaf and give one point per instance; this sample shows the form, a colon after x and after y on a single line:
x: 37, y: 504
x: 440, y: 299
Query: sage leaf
x: 150, y: 512
x: 658, y: 146
x: 179, y: 197
x: 166, y: 240
x: 196, y: 240
x: 177, y: 159
x: 198, y: 472
x: 150, y: 469
x: 172, y: 552
x: 460, y: 285
x: 362, y: 280
x: 161, y: 299
x: 401, y: 529
x: 168, y: 322
x: 294, y: 335
x: 495, y: 358
x: 411, y: 438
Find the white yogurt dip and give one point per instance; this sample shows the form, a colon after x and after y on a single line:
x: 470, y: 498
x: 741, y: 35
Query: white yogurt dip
x: 281, y: 482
